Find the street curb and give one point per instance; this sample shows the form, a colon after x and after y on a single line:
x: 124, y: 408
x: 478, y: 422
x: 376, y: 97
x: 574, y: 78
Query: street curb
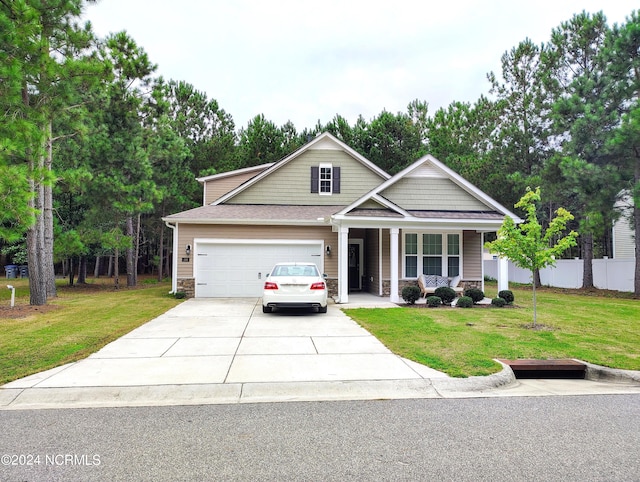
x: 448, y: 387
x: 600, y: 373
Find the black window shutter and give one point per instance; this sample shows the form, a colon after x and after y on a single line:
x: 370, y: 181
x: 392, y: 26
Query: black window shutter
x: 315, y: 178
x: 336, y: 180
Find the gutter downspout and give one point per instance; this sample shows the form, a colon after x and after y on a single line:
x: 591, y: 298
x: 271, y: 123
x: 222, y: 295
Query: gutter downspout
x: 174, y: 258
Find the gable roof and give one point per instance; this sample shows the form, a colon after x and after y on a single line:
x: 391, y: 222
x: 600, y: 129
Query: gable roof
x: 427, y: 166
x: 324, y: 139
x: 245, y: 170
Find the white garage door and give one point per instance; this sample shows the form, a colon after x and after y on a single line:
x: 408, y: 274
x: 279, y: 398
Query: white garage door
x: 238, y: 269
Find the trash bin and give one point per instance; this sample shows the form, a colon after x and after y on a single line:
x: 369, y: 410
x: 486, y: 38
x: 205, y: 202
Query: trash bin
x: 24, y: 271
x: 11, y: 271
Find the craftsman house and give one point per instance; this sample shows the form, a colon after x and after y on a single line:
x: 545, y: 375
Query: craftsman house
x: 325, y: 203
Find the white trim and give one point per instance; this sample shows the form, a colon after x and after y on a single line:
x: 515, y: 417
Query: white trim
x: 380, y: 238
x: 343, y: 265
x: 393, y: 261
x: 235, y: 172
x: 321, y: 166
x: 455, y: 177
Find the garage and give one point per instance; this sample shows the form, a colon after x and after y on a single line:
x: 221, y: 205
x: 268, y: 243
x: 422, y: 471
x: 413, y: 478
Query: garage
x: 237, y: 268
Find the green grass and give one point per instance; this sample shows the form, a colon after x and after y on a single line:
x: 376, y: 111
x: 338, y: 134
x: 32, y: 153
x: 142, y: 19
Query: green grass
x: 597, y: 327
x: 80, y: 321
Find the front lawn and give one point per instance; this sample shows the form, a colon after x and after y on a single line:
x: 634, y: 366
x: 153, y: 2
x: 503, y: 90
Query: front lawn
x: 80, y: 321
x: 596, y: 327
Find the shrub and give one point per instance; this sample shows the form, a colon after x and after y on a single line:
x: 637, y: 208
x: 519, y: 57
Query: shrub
x: 499, y: 302
x: 446, y: 294
x: 410, y: 294
x: 465, y: 302
x: 434, y: 301
x: 475, y: 294
x: 180, y: 295
x: 507, y: 295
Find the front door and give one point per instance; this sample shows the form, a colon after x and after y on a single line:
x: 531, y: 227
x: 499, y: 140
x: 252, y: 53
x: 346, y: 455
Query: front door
x: 355, y: 266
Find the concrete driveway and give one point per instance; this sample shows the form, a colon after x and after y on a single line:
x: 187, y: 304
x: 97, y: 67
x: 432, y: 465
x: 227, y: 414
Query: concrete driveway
x: 228, y: 351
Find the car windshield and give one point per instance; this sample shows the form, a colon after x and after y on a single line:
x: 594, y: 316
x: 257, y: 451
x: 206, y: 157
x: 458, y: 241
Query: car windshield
x: 295, y: 270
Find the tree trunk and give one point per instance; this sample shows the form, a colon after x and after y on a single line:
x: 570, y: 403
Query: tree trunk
x: 71, y: 273
x: 48, y: 268
x: 35, y: 246
x: 161, y: 253
x: 587, y: 259
x: 536, y: 278
x: 116, y: 269
x: 110, y: 267
x: 130, y: 253
x: 168, y: 257
x: 96, y: 268
x: 82, y: 271
x: 137, y: 253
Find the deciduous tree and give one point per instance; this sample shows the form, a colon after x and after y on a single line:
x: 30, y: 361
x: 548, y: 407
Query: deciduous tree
x: 528, y: 245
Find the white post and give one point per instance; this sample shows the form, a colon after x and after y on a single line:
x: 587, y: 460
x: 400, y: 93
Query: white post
x: 503, y: 274
x: 13, y: 295
x: 343, y: 265
x: 395, y: 297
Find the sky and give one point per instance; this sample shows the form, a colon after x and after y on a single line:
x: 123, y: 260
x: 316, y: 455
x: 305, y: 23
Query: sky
x: 304, y: 62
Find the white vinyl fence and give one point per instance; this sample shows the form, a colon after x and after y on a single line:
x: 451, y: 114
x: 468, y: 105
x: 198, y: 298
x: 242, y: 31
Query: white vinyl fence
x: 608, y: 274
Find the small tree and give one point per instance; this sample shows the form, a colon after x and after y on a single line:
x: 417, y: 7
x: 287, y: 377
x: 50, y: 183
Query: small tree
x: 527, y: 246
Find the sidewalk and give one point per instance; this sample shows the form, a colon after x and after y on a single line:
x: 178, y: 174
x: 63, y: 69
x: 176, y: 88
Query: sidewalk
x: 227, y: 351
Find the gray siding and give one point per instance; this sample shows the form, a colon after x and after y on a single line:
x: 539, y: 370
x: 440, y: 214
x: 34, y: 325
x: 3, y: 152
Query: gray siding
x: 290, y: 184
x: 432, y: 194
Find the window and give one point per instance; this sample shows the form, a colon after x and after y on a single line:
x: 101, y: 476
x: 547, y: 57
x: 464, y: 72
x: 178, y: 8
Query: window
x: 411, y: 255
x: 325, y: 179
x: 431, y: 253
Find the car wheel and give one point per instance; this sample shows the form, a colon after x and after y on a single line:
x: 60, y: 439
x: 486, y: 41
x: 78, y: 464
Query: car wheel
x: 266, y: 309
x: 322, y: 309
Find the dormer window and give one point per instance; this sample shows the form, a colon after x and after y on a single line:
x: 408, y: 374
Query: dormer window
x: 325, y: 179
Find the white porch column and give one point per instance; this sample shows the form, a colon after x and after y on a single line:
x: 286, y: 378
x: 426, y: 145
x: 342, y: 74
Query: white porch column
x: 343, y: 265
x: 395, y: 298
x: 503, y: 274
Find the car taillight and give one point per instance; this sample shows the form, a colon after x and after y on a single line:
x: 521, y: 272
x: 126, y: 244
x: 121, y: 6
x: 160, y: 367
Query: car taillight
x: 318, y: 286
x: 270, y: 286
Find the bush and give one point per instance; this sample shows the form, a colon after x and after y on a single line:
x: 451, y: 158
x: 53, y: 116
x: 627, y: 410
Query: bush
x: 507, y: 295
x: 446, y: 294
x: 499, y: 302
x: 410, y: 294
x: 434, y: 301
x: 465, y: 302
x: 179, y: 295
x: 475, y: 294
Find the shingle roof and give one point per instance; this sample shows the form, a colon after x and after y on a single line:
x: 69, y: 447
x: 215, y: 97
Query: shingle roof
x: 256, y: 212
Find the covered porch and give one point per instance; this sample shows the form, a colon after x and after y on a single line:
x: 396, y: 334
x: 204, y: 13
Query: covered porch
x: 381, y: 260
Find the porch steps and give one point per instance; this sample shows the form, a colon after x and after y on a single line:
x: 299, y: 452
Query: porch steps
x: 555, y: 368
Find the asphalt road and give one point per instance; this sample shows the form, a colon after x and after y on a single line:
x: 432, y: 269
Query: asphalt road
x: 579, y: 438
